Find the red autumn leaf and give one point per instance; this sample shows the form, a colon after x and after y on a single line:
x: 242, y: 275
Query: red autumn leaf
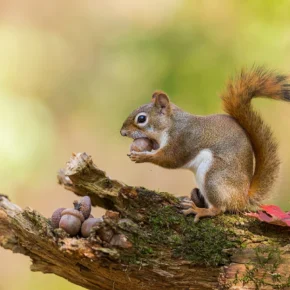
x: 274, y: 210
x: 272, y: 214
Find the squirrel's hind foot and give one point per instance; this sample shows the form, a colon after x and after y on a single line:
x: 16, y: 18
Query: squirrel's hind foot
x: 191, y: 208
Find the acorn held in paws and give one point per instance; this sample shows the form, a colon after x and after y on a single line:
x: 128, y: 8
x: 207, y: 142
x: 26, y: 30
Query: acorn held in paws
x: 141, y: 145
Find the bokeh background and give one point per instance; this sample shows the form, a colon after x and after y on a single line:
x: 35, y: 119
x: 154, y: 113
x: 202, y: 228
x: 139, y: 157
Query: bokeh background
x: 71, y: 71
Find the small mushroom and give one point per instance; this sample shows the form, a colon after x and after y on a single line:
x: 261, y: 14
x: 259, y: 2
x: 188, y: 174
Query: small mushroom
x: 85, y: 206
x: 56, y: 216
x: 71, y: 220
x: 89, y: 224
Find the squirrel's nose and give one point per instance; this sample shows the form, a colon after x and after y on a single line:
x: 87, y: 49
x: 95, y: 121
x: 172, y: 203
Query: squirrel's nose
x: 123, y: 132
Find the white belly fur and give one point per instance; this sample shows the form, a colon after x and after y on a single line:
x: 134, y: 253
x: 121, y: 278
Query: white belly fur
x: 200, y: 165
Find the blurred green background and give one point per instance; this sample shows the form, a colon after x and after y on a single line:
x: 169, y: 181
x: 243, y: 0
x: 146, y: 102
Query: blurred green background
x: 71, y: 72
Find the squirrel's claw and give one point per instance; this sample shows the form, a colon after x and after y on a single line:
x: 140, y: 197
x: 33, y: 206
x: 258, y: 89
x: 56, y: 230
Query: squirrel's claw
x: 201, y: 212
x: 133, y: 156
x: 186, y: 204
x: 191, y: 208
x: 138, y: 157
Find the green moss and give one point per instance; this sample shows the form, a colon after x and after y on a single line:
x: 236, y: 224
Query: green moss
x: 36, y: 219
x: 266, y: 262
x: 268, y: 255
x: 141, y: 252
x: 202, y: 243
x: 151, y: 199
x: 105, y: 183
x: 169, y: 197
x: 166, y: 229
x: 161, y: 227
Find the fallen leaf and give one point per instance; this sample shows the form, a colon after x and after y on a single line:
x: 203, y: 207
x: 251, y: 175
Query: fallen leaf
x: 272, y: 214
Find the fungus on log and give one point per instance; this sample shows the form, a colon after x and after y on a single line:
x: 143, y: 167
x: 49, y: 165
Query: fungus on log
x: 144, y: 242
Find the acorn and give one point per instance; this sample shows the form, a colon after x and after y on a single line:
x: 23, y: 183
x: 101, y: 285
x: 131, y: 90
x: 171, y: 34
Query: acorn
x: 89, y: 224
x: 141, y: 145
x: 84, y: 206
x: 71, y: 221
x: 56, y: 216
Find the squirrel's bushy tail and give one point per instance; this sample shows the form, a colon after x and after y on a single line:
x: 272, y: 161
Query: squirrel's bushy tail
x: 257, y: 82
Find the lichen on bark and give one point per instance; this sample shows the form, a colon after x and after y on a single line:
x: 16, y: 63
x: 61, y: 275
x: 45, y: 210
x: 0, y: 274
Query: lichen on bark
x: 145, y: 242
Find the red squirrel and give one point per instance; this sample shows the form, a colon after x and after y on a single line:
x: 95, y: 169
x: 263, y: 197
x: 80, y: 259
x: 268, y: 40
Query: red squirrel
x: 234, y: 157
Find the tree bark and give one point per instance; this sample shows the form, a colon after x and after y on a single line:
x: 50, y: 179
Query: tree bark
x: 145, y: 242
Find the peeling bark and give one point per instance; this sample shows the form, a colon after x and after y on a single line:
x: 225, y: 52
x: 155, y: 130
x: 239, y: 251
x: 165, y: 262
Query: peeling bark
x: 145, y: 243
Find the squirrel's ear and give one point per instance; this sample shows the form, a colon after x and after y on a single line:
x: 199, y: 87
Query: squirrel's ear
x: 161, y: 100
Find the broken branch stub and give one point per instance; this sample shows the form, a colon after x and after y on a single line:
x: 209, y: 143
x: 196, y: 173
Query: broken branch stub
x: 83, y: 178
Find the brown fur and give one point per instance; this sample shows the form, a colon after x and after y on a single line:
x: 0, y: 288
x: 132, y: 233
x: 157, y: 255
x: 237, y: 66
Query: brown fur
x: 231, y: 182
x: 257, y: 82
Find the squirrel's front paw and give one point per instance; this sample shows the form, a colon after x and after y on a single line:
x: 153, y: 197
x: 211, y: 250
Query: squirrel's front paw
x: 138, y: 157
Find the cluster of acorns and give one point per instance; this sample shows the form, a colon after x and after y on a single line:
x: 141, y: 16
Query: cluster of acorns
x: 77, y: 220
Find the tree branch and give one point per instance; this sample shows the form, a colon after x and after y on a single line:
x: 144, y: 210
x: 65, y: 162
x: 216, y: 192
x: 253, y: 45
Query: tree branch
x: 145, y: 243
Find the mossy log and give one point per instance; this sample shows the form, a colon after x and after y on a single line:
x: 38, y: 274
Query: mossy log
x: 154, y: 245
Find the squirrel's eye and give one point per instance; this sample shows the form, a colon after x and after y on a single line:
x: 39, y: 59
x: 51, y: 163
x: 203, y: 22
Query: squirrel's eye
x: 141, y: 119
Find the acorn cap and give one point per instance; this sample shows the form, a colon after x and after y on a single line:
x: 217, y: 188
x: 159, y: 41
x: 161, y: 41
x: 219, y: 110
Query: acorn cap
x: 56, y: 216
x: 85, y: 206
x: 74, y: 212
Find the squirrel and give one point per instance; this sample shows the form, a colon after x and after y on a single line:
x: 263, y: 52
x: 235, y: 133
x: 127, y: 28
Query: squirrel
x: 233, y: 156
